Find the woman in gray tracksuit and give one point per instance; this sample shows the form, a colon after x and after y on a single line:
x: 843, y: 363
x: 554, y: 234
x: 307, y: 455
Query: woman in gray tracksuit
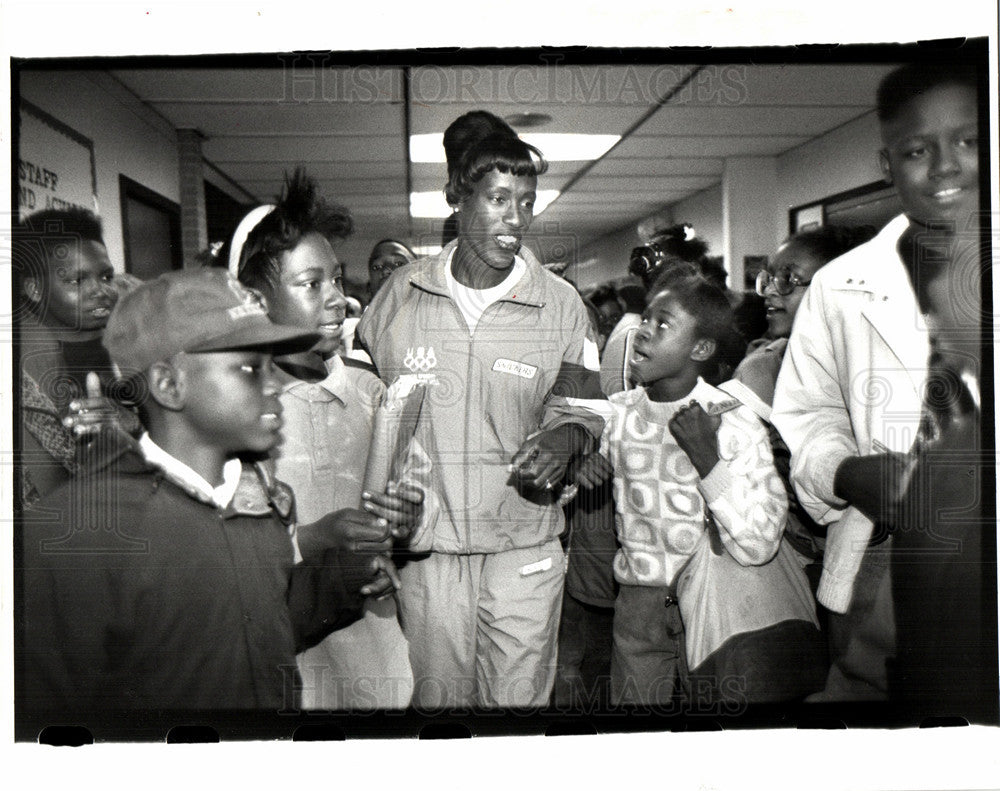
x: 513, y: 396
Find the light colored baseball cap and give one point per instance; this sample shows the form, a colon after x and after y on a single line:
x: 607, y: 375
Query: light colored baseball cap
x: 194, y: 310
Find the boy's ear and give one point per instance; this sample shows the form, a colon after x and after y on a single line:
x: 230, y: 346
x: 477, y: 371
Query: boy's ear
x: 32, y: 289
x: 166, y: 385
x: 703, y: 350
x: 884, y: 166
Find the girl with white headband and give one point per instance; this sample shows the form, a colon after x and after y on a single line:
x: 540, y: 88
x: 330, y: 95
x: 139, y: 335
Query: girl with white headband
x: 329, y: 403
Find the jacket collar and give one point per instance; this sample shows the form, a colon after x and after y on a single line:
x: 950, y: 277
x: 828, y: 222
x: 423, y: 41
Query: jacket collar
x: 189, y: 480
x: 893, y: 311
x: 258, y: 493
x: 870, y: 267
x: 429, y: 274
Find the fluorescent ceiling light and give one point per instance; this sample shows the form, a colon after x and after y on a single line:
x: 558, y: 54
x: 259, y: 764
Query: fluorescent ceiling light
x: 429, y: 204
x: 542, y: 200
x: 433, y: 204
x: 555, y: 147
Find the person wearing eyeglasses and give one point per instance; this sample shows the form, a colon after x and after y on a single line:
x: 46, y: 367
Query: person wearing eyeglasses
x: 783, y: 284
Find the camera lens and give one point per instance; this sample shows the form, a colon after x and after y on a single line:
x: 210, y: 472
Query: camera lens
x: 642, y: 260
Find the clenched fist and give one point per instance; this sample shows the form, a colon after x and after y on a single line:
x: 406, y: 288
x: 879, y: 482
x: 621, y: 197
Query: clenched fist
x: 696, y: 432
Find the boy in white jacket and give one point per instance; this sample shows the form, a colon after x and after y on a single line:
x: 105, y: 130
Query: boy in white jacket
x: 848, y: 398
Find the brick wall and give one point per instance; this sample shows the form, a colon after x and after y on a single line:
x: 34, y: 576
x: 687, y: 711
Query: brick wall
x: 194, y: 226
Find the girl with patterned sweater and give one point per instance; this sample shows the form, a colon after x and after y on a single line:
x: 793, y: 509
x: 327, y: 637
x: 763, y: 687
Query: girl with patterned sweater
x: 678, y: 448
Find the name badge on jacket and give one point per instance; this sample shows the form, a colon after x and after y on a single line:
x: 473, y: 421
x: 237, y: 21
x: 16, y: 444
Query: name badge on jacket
x: 523, y: 370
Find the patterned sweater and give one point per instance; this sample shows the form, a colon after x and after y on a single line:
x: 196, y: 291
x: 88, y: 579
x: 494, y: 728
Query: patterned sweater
x: 660, y: 500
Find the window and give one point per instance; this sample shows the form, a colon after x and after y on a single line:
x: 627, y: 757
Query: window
x: 151, y: 227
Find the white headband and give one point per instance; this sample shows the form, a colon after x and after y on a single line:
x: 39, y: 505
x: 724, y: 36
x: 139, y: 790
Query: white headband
x: 241, y: 233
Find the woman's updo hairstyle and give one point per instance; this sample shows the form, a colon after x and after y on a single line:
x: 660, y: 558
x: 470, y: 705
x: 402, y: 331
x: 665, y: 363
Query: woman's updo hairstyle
x: 479, y: 142
x: 468, y: 129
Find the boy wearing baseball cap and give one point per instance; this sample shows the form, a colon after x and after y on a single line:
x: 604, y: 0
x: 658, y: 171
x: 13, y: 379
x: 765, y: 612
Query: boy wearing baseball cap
x: 167, y: 580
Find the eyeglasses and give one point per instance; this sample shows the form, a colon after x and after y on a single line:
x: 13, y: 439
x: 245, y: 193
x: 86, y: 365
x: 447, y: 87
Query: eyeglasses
x: 785, y: 282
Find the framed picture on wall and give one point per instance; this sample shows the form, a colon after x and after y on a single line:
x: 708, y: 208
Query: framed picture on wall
x: 870, y: 205
x: 807, y: 218
x: 151, y: 227
x: 55, y: 164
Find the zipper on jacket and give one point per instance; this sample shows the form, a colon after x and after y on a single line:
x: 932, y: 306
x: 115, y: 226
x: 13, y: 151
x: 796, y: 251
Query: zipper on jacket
x: 463, y: 325
x: 470, y: 350
x: 472, y: 356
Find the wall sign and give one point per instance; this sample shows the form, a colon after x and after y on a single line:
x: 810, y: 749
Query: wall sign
x: 55, y: 166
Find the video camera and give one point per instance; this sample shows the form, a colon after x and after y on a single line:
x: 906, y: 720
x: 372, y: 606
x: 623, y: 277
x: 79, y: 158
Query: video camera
x: 643, y: 260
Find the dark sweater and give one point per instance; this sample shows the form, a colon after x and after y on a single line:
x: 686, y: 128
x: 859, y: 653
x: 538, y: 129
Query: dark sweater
x: 138, y: 595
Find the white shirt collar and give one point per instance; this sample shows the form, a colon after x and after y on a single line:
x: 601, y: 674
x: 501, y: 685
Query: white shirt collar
x: 473, y: 302
x: 493, y: 293
x: 220, y: 496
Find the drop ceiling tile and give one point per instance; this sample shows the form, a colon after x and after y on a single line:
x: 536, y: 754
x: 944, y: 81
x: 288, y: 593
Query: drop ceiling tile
x: 624, y: 185
x: 241, y: 170
x: 798, y: 84
x: 261, y: 148
x: 218, y: 120
x: 592, y: 119
x: 291, y: 79
x: 539, y: 84
x: 619, y: 163
x: 332, y: 187
x: 748, y: 120
x: 709, y: 146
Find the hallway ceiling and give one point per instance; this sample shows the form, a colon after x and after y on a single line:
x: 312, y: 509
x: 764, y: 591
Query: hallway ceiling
x: 348, y: 127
